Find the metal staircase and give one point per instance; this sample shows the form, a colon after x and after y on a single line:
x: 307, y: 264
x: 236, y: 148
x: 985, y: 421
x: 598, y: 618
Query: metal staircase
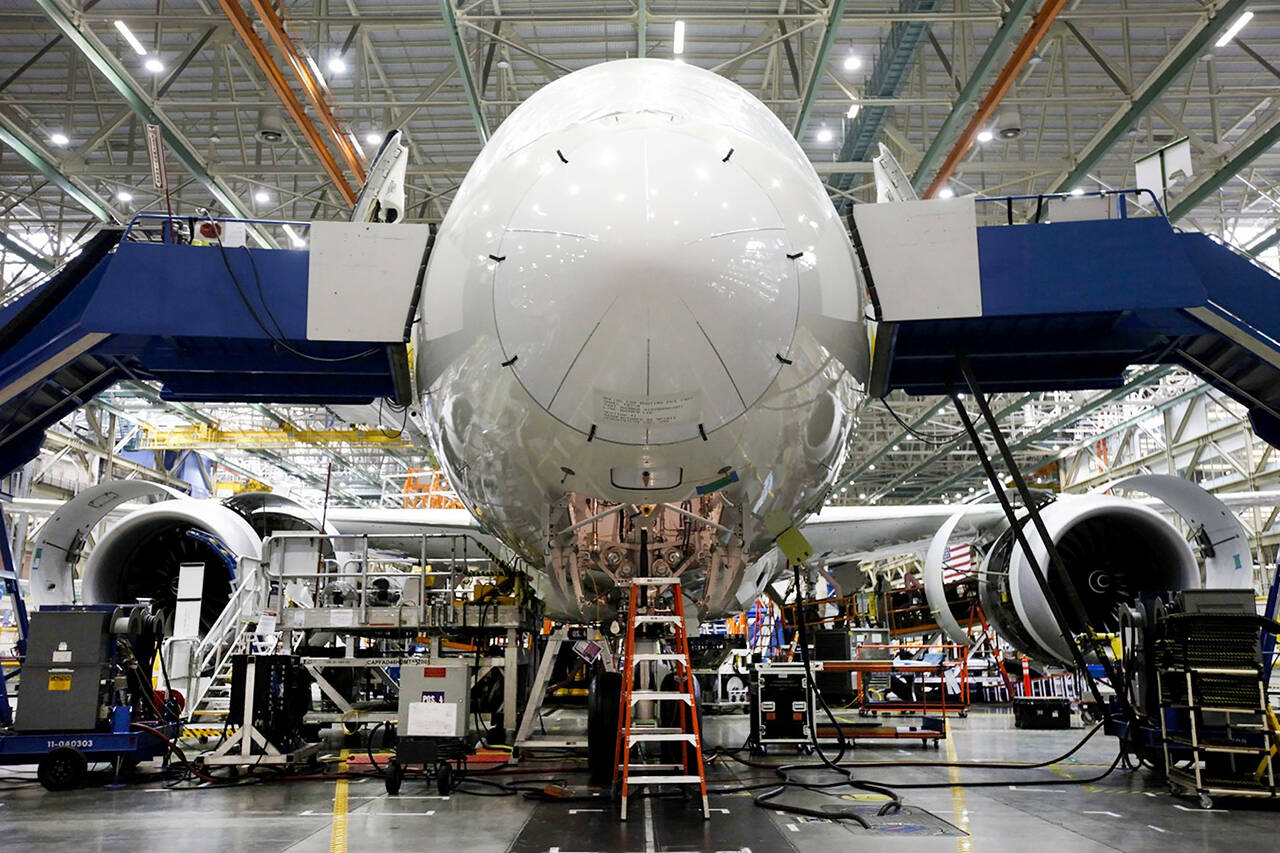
x: 134, y: 306
x: 208, y: 660
x: 663, y: 622
x: 1066, y: 304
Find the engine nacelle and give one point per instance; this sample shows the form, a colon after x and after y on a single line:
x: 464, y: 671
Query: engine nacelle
x: 142, y: 554
x: 1113, y: 549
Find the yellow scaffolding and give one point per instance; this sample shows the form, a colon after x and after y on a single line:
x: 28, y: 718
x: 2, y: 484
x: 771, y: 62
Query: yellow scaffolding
x: 206, y: 437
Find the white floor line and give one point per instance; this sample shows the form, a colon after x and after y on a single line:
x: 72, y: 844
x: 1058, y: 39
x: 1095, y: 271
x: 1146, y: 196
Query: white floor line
x: 648, y: 826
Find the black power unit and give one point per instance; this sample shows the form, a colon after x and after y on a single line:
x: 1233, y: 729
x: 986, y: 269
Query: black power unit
x: 1041, y: 712
x: 781, y: 704
x: 835, y: 687
x: 281, y: 697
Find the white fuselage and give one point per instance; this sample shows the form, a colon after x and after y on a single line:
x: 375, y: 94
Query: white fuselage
x: 640, y: 287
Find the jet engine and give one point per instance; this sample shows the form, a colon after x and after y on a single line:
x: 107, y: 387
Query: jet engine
x: 1113, y: 549
x: 142, y: 554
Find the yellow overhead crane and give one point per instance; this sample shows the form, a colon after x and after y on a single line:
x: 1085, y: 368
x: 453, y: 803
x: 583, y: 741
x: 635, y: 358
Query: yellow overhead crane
x: 206, y: 437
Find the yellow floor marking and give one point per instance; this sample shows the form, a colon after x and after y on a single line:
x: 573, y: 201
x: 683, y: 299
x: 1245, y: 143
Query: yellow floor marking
x: 959, y: 811
x: 338, y: 836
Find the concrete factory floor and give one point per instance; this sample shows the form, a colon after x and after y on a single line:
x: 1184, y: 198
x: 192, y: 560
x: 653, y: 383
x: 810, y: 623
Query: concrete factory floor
x: 1125, y: 811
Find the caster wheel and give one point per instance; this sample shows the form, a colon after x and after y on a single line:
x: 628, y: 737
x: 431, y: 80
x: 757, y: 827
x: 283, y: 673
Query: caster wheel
x: 1206, y: 801
x: 63, y: 769
x: 393, y: 777
x: 444, y: 780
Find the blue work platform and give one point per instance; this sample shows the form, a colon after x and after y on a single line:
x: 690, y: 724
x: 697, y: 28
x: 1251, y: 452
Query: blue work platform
x: 1065, y: 304
x: 209, y: 323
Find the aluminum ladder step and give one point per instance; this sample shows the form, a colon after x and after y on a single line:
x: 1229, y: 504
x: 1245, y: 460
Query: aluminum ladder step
x: 660, y: 696
x: 658, y: 618
x: 655, y: 581
x: 662, y: 737
x: 642, y: 657
x: 664, y: 780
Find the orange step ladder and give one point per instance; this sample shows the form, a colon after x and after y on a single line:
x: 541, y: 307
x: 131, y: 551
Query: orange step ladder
x: 627, y: 768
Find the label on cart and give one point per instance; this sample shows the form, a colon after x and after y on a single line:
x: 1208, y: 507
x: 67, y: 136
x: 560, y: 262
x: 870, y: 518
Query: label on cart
x: 60, y: 681
x: 432, y: 719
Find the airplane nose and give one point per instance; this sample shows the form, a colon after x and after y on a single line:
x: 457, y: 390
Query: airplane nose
x: 681, y: 283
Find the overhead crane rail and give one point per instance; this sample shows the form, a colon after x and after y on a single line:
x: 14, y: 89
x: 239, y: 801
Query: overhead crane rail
x: 206, y: 437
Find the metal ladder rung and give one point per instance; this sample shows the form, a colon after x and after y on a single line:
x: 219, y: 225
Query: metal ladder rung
x: 641, y: 657
x: 646, y: 737
x: 655, y: 581
x: 658, y: 618
x: 660, y: 696
x: 664, y: 780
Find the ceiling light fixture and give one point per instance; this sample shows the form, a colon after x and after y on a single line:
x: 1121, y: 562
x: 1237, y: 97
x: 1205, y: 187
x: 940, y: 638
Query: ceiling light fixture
x: 1234, y: 29
x: 946, y: 192
x: 373, y: 137
x: 854, y: 109
x: 852, y: 62
x: 677, y: 39
x: 825, y: 134
x: 131, y: 38
x: 125, y: 196
x: 58, y: 138
x: 337, y: 64
x: 985, y: 136
x: 261, y: 196
x: 153, y: 65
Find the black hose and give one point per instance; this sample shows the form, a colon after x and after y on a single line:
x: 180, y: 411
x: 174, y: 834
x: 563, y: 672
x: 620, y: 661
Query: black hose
x: 369, y: 746
x: 895, y: 802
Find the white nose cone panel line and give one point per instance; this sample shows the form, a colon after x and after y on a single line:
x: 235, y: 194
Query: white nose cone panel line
x: 684, y: 283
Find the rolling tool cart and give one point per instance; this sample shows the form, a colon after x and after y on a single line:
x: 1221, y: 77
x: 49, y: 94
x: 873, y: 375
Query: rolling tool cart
x: 1214, y: 711
x: 85, y: 695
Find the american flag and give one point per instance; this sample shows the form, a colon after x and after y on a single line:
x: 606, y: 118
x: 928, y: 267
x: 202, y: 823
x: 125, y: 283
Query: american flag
x: 957, y: 561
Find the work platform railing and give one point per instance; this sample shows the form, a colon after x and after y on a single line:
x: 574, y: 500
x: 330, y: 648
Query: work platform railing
x: 384, y: 585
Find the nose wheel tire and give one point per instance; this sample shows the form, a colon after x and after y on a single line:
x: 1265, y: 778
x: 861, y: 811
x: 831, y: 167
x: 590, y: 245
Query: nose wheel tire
x: 603, y: 697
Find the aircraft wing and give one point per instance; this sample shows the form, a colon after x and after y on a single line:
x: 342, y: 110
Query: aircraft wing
x: 842, y: 533
x: 399, y: 530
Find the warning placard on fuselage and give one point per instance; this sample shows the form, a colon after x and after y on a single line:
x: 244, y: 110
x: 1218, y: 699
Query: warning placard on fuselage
x: 665, y: 410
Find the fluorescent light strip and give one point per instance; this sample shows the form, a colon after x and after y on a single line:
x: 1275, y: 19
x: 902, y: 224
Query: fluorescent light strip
x: 293, y: 235
x: 1234, y: 29
x: 677, y: 41
x: 131, y: 38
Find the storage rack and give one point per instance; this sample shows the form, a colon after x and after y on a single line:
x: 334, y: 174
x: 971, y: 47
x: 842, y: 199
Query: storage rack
x: 1228, y: 735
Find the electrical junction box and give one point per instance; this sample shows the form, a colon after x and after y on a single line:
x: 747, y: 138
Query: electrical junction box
x: 781, y: 704
x: 435, y: 699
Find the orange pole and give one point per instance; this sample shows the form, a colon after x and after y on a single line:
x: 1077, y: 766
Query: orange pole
x: 1026, y: 676
x: 275, y: 77
x: 1023, y: 52
x: 313, y: 88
